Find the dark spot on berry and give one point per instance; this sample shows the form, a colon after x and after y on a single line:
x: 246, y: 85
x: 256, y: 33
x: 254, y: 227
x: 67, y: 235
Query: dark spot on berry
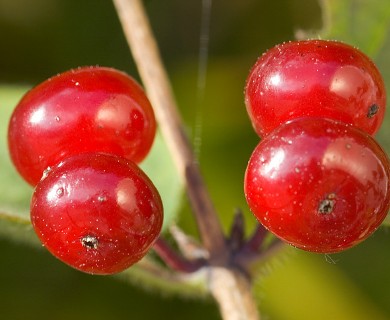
x: 326, y: 206
x: 90, y: 242
x: 372, y: 110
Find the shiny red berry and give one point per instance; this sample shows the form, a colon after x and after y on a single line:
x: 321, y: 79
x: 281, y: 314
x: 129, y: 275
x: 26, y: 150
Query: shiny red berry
x: 319, y: 185
x: 98, y: 213
x: 316, y: 78
x: 88, y: 109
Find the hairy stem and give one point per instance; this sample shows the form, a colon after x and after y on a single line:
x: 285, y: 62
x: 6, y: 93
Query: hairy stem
x: 230, y: 288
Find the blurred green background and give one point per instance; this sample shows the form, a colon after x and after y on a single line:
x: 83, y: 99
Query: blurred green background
x: 43, y: 37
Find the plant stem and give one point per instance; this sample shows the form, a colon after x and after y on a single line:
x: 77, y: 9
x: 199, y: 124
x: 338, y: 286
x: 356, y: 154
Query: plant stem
x: 230, y: 287
x: 146, y: 55
x: 173, y: 259
x: 255, y: 242
x: 233, y: 292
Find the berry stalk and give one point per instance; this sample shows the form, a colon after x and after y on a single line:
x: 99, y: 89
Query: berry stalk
x: 147, y: 57
x: 230, y: 288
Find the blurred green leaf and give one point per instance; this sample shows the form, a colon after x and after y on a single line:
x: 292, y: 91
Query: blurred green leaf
x: 362, y: 23
x: 161, y: 170
x: 18, y: 229
x: 14, y: 192
x: 311, y: 286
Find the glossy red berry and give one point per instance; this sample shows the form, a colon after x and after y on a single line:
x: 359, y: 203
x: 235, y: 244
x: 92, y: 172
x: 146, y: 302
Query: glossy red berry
x: 320, y: 185
x: 316, y: 78
x: 88, y: 109
x: 98, y: 213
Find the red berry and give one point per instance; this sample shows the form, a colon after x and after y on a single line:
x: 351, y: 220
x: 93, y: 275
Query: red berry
x: 318, y: 184
x: 98, y: 213
x: 315, y: 78
x: 89, y: 109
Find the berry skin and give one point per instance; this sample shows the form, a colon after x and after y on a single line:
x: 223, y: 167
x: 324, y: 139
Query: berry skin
x: 90, y: 109
x: 98, y: 213
x: 315, y: 78
x: 319, y: 185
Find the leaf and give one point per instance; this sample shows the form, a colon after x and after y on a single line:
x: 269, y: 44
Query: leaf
x: 362, y: 23
x: 161, y: 170
x: 18, y: 229
x: 14, y: 192
x: 310, y: 286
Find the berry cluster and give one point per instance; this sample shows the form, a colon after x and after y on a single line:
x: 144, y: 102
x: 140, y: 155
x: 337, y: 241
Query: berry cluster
x: 317, y: 179
x: 77, y: 138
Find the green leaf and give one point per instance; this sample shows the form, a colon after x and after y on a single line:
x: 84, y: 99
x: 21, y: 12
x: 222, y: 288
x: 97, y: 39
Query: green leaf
x: 362, y: 23
x: 310, y: 286
x: 18, y: 229
x: 161, y: 170
x: 14, y: 192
